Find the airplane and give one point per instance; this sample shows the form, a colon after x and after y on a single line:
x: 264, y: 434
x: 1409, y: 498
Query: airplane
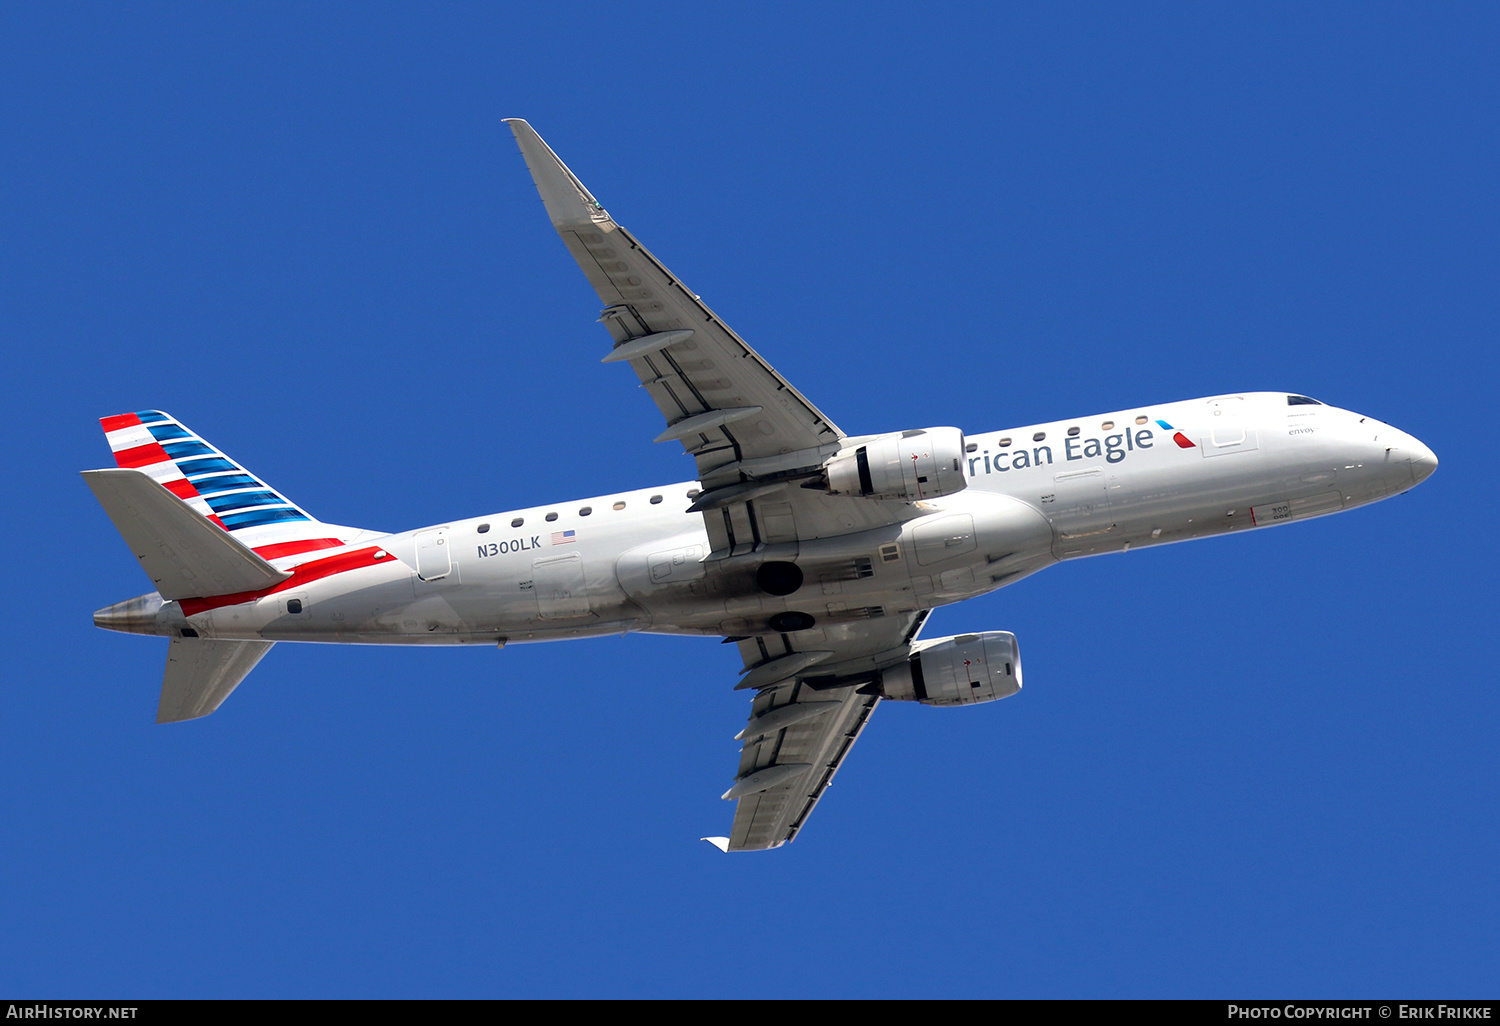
x: 819, y: 554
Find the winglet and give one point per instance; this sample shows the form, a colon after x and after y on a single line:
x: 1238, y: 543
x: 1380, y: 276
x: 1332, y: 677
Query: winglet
x: 568, y: 203
x: 721, y: 843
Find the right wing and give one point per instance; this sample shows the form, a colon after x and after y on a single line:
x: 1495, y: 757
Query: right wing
x: 755, y: 438
x: 720, y: 399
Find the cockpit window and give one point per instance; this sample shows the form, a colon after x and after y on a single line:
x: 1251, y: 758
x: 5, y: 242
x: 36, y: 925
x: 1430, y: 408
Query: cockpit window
x: 1301, y: 400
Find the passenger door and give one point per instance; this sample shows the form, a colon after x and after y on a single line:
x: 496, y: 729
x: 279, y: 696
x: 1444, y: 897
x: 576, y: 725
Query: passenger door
x: 1228, y: 431
x: 434, y: 560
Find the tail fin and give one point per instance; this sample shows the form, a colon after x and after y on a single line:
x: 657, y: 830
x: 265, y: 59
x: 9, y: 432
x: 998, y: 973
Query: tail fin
x: 217, y: 487
x: 200, y: 674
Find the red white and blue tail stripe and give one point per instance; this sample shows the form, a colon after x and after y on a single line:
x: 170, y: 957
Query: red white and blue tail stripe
x: 216, y: 486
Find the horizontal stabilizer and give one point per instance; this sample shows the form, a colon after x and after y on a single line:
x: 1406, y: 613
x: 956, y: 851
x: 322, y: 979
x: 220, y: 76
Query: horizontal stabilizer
x: 201, y: 673
x: 184, y: 554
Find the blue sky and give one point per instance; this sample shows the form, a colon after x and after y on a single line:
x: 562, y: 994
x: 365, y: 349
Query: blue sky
x: 1256, y: 766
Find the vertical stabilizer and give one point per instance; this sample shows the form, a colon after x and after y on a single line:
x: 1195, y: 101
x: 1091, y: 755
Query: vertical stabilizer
x: 201, y: 673
x: 215, y: 486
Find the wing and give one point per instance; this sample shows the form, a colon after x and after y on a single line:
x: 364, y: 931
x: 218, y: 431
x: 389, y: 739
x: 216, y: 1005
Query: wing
x: 809, y: 712
x: 754, y: 436
x: 720, y: 399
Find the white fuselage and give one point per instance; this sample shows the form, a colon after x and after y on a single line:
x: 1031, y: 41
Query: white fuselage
x: 637, y: 561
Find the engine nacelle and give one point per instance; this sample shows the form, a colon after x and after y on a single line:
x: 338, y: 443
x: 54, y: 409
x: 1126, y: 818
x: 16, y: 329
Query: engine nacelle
x: 963, y: 670
x: 912, y: 465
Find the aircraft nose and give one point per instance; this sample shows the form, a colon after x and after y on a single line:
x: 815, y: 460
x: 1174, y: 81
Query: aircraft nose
x: 1423, y: 461
x: 1406, y: 458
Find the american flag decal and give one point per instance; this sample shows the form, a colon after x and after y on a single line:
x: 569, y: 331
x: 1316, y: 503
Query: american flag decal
x: 564, y: 537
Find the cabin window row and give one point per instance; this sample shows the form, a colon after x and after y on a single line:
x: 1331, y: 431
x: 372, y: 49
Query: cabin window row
x: 1041, y: 436
x: 583, y: 511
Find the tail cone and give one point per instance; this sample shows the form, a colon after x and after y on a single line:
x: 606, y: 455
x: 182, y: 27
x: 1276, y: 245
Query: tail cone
x: 133, y: 616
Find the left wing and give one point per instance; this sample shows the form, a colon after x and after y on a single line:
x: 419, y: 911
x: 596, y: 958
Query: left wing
x: 810, y: 710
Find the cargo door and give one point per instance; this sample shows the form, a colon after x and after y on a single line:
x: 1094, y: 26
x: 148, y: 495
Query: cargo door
x: 560, y: 586
x: 1078, y: 510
